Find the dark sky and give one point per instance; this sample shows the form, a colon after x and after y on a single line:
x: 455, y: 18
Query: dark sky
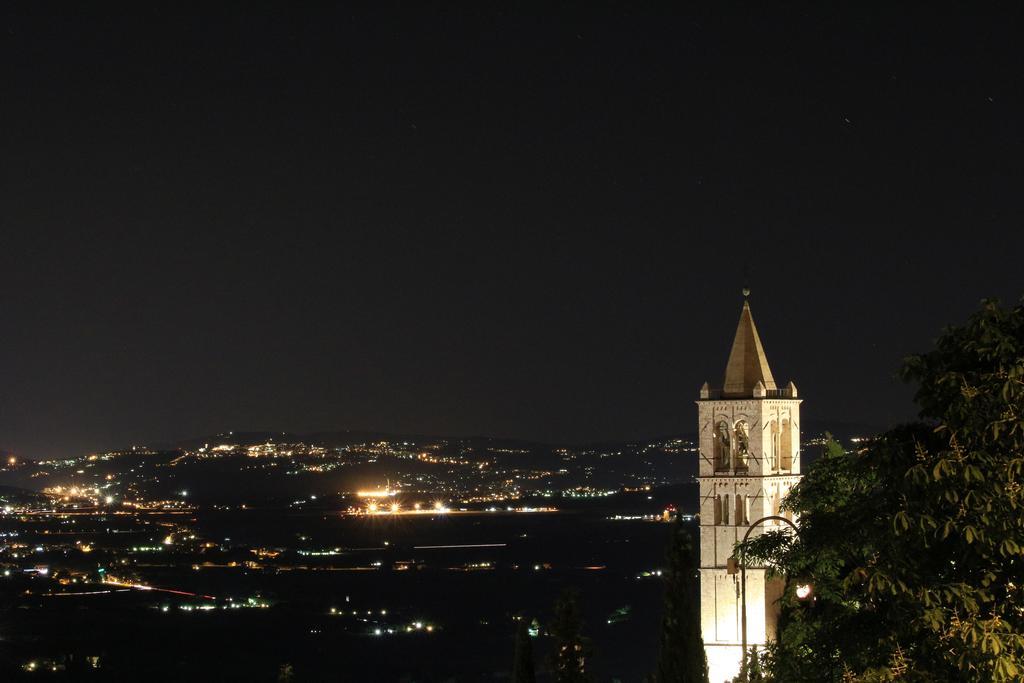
x: 530, y: 223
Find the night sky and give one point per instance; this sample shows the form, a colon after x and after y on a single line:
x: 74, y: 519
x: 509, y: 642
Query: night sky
x: 530, y: 224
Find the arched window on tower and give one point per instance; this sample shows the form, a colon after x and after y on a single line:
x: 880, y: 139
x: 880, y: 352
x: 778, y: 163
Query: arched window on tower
x: 773, y: 448
x: 742, y: 445
x: 718, y: 510
x: 725, y: 509
x: 741, y: 510
x: 722, y: 446
x: 786, y: 447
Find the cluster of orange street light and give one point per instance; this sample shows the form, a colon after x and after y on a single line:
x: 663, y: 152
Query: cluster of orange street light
x: 373, y: 507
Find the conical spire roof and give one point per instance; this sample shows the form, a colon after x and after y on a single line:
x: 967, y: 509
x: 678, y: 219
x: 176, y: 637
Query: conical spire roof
x: 747, y: 363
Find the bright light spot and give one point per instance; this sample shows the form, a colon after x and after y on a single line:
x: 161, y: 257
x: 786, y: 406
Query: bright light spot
x: 376, y: 631
x: 108, y: 500
x: 372, y: 507
x: 803, y: 592
x: 417, y: 506
x: 169, y: 539
x: 395, y: 507
x: 12, y: 460
x: 184, y: 494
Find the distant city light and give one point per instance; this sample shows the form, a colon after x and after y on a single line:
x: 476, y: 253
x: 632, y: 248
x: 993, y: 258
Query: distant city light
x: 376, y: 493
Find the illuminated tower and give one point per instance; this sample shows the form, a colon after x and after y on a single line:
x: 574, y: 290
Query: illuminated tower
x: 749, y: 460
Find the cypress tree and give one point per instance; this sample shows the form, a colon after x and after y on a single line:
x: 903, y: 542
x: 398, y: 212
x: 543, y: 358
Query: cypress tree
x: 571, y: 648
x: 522, y: 664
x: 681, y: 657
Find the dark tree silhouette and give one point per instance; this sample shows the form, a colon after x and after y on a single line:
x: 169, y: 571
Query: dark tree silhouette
x: 522, y: 665
x: 569, y: 659
x: 681, y: 657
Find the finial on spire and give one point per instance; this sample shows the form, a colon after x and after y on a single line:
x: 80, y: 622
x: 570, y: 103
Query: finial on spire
x: 746, y: 292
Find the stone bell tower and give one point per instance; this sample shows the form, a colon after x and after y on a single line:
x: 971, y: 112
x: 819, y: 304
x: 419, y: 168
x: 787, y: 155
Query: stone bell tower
x: 749, y: 460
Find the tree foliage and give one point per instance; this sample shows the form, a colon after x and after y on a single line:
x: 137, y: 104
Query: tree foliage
x: 750, y: 671
x: 915, y: 544
x: 681, y: 657
x: 569, y: 659
x: 522, y: 665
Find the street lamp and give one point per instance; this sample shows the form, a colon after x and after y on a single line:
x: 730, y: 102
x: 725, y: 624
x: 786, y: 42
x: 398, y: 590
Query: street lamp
x: 743, y: 572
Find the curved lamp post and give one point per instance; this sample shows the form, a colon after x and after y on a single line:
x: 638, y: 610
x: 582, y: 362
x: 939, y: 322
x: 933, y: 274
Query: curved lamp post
x: 743, y: 570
